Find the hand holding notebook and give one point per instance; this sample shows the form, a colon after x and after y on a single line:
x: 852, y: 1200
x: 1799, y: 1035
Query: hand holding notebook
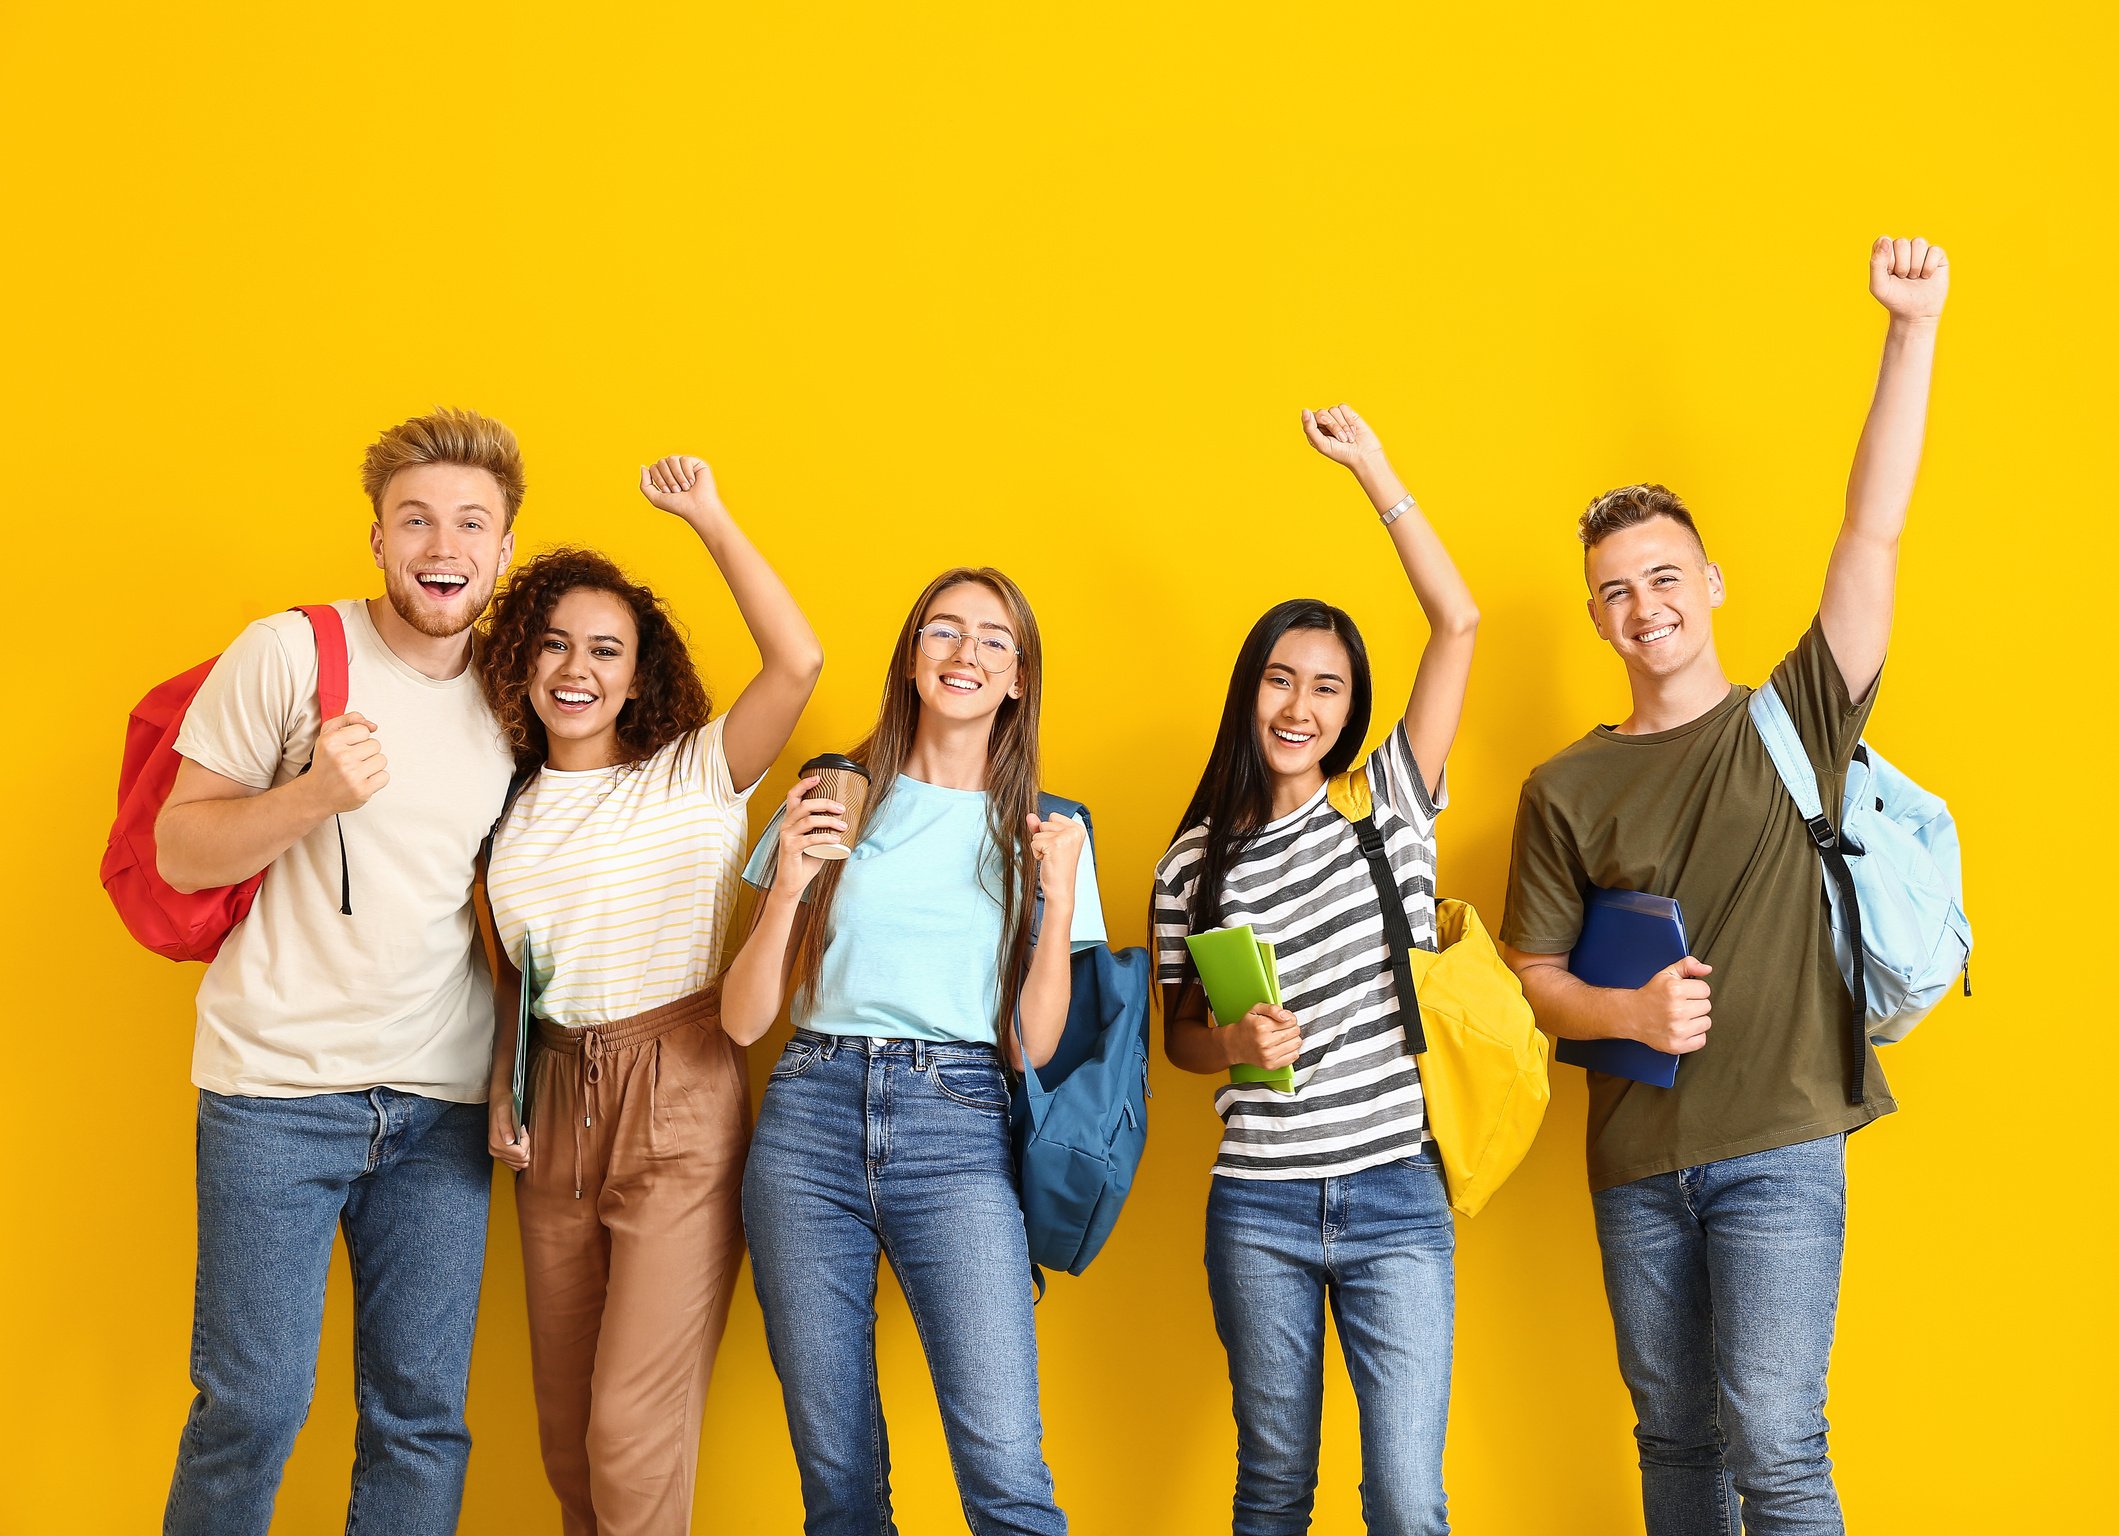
x: 1238, y: 974
x: 1626, y: 938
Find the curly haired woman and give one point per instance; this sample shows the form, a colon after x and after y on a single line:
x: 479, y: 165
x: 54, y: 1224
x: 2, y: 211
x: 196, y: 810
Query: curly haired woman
x: 613, y: 873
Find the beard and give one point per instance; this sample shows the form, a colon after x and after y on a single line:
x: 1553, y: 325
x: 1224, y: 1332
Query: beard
x: 418, y: 610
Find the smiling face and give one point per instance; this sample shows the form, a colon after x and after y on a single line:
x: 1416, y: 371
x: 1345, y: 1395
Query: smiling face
x: 583, y: 675
x: 1652, y: 595
x: 440, y: 539
x: 1303, y: 699
x: 956, y: 687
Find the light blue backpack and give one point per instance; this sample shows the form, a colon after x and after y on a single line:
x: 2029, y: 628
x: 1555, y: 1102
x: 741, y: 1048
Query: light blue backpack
x: 1893, y: 883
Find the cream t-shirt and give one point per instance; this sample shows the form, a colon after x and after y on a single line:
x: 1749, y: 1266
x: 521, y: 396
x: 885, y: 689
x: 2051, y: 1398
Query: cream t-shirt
x: 304, y: 999
x: 624, y: 879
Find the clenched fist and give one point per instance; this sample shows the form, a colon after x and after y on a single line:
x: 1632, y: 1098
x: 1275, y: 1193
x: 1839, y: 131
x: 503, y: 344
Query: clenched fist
x: 1056, y: 843
x: 348, y: 767
x: 1910, y: 278
x: 682, y: 486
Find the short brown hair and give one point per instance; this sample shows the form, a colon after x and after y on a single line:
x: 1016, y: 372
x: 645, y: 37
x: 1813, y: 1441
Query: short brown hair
x: 1631, y: 505
x: 446, y: 436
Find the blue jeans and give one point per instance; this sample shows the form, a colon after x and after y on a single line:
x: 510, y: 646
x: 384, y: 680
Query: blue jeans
x: 1378, y: 1245
x: 1724, y: 1284
x: 899, y: 1149
x: 406, y: 1178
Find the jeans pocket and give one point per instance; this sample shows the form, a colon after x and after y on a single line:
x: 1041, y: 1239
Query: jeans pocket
x: 802, y: 1053
x: 973, y: 1084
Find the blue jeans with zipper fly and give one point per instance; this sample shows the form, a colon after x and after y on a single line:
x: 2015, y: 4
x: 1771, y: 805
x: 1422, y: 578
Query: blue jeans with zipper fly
x: 897, y: 1149
x: 1378, y: 1247
x: 1724, y: 1285
x: 406, y: 1179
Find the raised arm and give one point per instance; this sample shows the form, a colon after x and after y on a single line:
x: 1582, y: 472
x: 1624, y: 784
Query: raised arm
x: 1910, y: 278
x: 1437, y: 701
x: 790, y: 657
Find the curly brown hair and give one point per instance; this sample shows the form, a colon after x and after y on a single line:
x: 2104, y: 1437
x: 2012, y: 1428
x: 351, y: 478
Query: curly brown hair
x: 672, y: 700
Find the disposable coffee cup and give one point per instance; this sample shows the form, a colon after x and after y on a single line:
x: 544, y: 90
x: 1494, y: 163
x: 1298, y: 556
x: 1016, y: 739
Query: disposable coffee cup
x: 846, y: 781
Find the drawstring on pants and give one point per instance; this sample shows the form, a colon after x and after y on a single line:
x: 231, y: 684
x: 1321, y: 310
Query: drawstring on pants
x: 593, y: 1045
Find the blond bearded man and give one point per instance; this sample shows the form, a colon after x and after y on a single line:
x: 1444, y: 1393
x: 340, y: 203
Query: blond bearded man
x: 343, y: 1046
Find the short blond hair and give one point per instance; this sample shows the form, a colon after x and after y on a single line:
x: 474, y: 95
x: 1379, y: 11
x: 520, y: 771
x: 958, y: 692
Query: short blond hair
x: 446, y: 436
x: 1630, y: 506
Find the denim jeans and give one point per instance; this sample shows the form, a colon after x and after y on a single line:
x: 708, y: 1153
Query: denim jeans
x: 1378, y: 1245
x: 898, y: 1149
x: 406, y: 1178
x: 1724, y: 1283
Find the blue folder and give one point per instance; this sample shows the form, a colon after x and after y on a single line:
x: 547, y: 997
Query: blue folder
x: 1626, y: 937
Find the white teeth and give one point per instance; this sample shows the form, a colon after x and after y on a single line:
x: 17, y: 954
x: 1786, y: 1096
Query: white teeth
x: 571, y: 696
x: 960, y: 684
x: 1291, y: 738
x: 1655, y: 634
x: 444, y: 578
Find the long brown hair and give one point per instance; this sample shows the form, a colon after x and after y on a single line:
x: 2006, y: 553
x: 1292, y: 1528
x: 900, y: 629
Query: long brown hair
x: 1011, y: 783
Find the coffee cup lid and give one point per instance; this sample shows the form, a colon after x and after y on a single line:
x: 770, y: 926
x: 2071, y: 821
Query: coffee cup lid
x: 832, y: 760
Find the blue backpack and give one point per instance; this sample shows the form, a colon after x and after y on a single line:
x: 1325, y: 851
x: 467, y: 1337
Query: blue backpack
x: 1894, y: 887
x: 1080, y: 1122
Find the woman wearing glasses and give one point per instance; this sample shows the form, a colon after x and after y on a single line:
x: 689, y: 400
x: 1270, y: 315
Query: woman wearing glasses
x: 884, y: 1130
x: 1329, y: 1193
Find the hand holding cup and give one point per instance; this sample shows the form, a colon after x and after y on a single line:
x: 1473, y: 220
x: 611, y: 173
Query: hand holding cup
x: 806, y: 823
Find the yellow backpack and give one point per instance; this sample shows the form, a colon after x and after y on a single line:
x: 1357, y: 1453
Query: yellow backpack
x: 1482, y: 1058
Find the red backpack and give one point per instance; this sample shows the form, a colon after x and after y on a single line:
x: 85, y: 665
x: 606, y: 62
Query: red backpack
x: 168, y: 921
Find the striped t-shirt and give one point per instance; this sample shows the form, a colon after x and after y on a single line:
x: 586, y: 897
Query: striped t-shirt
x: 624, y: 878
x: 1302, y: 886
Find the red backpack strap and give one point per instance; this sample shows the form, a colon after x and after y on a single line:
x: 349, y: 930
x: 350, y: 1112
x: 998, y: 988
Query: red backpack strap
x: 331, y: 680
x: 332, y: 687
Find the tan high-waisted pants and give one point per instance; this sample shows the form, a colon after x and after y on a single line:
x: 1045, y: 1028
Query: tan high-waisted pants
x: 632, y: 1231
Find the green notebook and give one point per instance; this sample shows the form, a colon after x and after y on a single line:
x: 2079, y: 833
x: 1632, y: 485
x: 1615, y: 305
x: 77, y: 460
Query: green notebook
x: 525, y: 1011
x: 1238, y: 973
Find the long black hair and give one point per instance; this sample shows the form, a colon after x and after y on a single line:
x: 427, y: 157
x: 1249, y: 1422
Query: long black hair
x: 1235, y: 794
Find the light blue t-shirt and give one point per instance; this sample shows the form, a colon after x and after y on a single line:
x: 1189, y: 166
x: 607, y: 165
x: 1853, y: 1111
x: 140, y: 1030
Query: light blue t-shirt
x: 914, y: 929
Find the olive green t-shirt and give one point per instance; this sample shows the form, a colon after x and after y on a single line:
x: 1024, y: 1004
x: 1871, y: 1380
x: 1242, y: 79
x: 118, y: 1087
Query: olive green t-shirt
x: 1698, y: 814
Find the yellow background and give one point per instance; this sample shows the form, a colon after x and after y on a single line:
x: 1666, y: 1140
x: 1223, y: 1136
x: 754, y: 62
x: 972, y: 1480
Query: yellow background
x: 1047, y: 290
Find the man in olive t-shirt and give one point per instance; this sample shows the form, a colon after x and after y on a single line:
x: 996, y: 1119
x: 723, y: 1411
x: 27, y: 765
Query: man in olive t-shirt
x: 1721, y: 1202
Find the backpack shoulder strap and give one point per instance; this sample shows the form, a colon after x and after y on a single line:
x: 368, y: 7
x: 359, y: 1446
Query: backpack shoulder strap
x: 332, y: 667
x: 1770, y: 717
x: 1059, y: 805
x: 1349, y: 793
x: 1351, y: 797
x: 332, y: 686
x: 481, y: 898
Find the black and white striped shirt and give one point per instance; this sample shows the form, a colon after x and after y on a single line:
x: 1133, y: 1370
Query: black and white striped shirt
x: 1303, y: 887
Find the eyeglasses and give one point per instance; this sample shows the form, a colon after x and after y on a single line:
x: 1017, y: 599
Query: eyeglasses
x: 944, y: 642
